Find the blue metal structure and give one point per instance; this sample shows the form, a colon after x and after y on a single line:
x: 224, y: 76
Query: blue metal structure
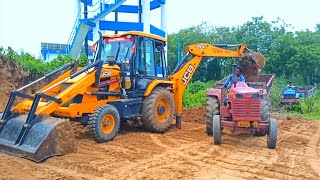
x: 82, y: 26
x: 92, y: 15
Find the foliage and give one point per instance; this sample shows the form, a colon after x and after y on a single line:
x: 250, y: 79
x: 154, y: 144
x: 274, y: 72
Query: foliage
x: 36, y: 67
x: 275, y: 94
x: 311, y: 104
x: 195, y: 94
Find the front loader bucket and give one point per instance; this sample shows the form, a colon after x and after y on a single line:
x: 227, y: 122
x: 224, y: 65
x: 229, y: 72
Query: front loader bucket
x: 47, y: 137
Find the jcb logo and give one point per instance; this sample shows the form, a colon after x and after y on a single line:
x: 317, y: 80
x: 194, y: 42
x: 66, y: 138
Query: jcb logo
x: 201, y: 46
x: 107, y: 73
x: 187, y: 74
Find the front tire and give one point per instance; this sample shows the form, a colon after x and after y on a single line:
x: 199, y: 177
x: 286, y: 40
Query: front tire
x: 104, y: 123
x: 158, y: 110
x: 217, y: 139
x: 272, y: 134
x: 212, y: 109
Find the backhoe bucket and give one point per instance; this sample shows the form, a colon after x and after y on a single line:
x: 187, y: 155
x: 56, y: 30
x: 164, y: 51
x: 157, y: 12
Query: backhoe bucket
x: 253, y: 67
x: 258, y: 58
x: 47, y: 137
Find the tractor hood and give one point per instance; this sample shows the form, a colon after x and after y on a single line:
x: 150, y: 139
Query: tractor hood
x: 243, y: 88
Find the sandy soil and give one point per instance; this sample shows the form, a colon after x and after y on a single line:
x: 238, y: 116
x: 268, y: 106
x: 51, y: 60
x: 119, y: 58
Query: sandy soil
x: 186, y: 153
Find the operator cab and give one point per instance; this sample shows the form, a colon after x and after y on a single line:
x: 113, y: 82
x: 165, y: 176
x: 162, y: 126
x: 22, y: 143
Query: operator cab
x: 140, y: 56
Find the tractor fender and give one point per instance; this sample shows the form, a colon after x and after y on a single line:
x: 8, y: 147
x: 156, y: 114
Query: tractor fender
x: 155, y: 83
x: 214, y: 92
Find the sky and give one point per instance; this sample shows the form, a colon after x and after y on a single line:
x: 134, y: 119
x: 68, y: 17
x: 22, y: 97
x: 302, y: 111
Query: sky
x: 25, y: 24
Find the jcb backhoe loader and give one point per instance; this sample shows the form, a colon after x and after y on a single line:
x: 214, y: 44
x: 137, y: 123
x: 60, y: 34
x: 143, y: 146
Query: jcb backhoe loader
x: 128, y: 78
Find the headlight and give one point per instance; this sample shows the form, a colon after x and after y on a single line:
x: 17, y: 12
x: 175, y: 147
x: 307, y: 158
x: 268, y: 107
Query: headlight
x: 255, y: 96
x: 239, y: 96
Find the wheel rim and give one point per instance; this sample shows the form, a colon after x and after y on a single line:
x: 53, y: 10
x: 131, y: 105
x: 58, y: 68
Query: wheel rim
x: 107, y: 123
x: 162, y: 110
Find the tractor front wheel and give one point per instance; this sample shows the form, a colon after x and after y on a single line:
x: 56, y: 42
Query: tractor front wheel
x: 104, y: 123
x: 272, y: 134
x: 212, y: 109
x: 158, y: 110
x: 217, y: 139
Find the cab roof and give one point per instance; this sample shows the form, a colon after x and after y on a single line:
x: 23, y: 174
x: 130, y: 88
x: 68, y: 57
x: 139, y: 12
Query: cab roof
x: 135, y: 33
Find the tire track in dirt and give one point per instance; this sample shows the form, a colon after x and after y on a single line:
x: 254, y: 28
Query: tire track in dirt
x: 311, y: 150
x: 169, y: 156
x: 71, y: 173
x: 219, y: 157
x: 292, y: 131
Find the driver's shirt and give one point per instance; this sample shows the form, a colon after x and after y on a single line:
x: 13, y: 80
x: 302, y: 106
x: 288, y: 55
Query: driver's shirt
x: 228, y: 82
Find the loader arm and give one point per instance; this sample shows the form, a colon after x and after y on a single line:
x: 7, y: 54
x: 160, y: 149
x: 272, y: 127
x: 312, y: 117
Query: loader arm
x: 184, y: 71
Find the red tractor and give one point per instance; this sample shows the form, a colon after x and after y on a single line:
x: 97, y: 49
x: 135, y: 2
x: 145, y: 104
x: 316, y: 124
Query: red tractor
x: 245, y: 110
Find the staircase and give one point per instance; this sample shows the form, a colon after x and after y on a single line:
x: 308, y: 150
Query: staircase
x: 82, y: 26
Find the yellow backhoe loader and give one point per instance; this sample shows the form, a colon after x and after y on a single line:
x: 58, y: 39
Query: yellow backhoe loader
x: 128, y: 78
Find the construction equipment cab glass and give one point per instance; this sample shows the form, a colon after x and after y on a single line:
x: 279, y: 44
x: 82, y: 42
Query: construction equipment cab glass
x: 117, y: 49
x: 140, y: 56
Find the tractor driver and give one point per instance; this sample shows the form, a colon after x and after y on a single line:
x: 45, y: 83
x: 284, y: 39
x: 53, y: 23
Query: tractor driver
x: 290, y: 85
x: 240, y: 78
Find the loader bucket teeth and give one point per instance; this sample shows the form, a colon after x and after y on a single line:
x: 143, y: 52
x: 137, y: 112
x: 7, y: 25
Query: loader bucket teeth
x: 47, y: 137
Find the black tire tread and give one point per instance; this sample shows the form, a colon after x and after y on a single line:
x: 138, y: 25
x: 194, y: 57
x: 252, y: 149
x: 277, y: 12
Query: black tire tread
x: 272, y: 134
x: 149, y: 119
x: 217, y: 139
x: 94, y: 130
x: 212, y: 109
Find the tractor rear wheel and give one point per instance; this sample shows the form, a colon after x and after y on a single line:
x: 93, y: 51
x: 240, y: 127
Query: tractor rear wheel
x: 158, y: 110
x: 217, y: 139
x: 212, y: 109
x: 264, y: 114
x: 104, y: 123
x: 272, y: 134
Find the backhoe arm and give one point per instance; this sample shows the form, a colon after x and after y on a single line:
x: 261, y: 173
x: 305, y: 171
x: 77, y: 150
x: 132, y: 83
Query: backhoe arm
x: 183, y: 73
x: 217, y: 50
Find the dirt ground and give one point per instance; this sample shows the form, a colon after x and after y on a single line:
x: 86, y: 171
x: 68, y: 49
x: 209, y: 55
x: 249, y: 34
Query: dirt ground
x: 186, y: 153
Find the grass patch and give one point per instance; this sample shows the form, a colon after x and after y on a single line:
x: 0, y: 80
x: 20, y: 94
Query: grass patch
x: 195, y: 94
x: 312, y: 116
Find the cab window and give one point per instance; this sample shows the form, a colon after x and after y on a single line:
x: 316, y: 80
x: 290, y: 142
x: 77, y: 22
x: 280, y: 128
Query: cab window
x: 150, y: 59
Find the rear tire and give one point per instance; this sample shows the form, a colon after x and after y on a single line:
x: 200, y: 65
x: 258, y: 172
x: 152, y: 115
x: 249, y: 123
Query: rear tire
x: 158, y: 110
x: 264, y: 114
x: 272, y: 134
x: 104, y: 123
x: 212, y: 109
x: 217, y: 139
